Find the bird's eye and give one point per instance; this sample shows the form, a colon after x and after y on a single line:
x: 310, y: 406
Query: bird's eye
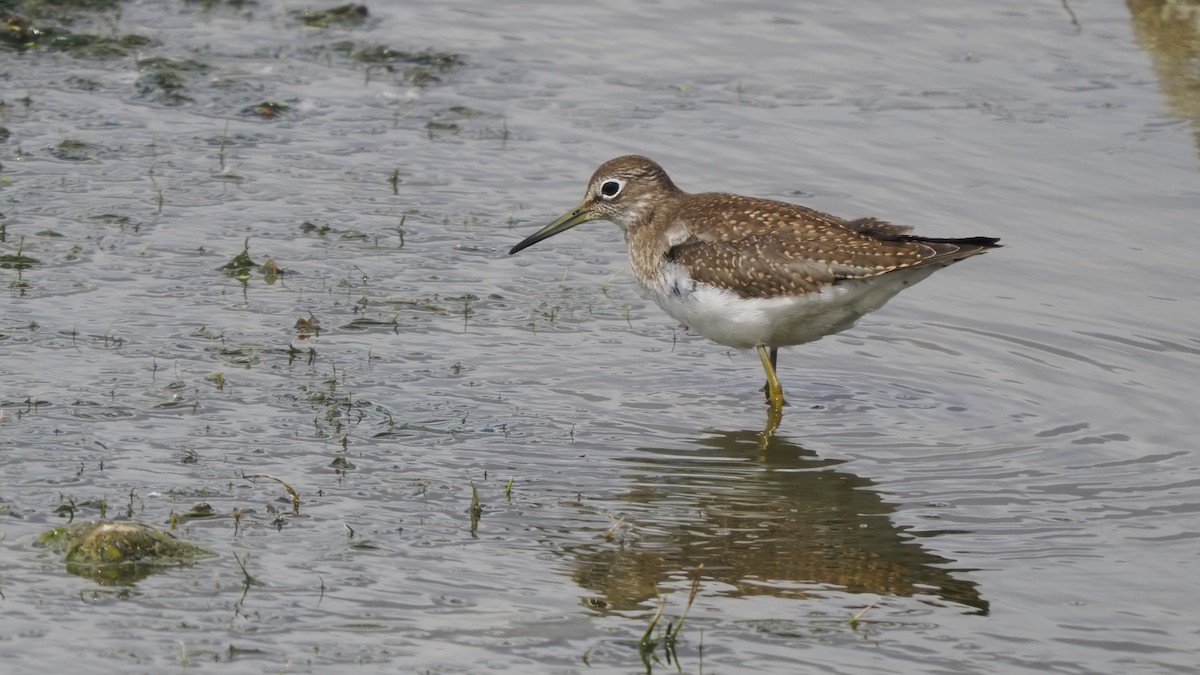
x: 611, y: 188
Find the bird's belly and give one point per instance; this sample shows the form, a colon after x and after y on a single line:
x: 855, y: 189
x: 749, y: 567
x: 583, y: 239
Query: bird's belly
x: 729, y: 319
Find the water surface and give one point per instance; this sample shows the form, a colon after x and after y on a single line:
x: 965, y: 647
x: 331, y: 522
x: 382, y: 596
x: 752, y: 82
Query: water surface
x: 1000, y: 463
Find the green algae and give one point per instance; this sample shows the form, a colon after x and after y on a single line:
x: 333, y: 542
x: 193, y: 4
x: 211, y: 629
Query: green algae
x: 121, y: 553
x: 342, y: 15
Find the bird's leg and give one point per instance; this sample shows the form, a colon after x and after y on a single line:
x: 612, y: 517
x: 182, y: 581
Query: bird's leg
x: 774, y: 389
x: 766, y: 388
x: 774, y: 397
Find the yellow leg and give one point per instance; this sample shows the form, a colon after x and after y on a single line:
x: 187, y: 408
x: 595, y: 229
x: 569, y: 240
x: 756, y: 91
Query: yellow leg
x: 774, y: 389
x: 774, y: 395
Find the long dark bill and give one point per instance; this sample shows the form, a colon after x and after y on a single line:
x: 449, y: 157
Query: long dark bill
x: 566, y: 222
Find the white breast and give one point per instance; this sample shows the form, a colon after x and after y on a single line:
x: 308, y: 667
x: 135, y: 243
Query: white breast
x: 728, y: 319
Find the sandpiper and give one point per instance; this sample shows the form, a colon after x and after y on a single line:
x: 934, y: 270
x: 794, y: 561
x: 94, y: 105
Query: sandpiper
x: 747, y: 272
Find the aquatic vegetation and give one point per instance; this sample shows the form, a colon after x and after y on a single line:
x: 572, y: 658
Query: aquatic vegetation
x: 122, y: 222
x: 163, y: 80
x: 267, y: 110
x: 86, y: 46
x: 292, y: 493
x: 855, y: 619
x: 434, y: 59
x: 668, y: 638
x: 46, y: 7
x: 73, y: 150
x: 199, y: 510
x: 309, y: 227
x: 110, y: 552
x: 306, y: 326
x: 37, y: 26
x: 242, y: 265
x: 446, y: 120
x: 342, y: 15
x: 476, y: 509
x: 208, y: 5
x: 18, y: 260
x: 418, y: 67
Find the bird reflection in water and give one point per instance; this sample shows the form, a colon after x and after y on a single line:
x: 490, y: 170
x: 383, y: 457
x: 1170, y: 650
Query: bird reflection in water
x: 779, y: 521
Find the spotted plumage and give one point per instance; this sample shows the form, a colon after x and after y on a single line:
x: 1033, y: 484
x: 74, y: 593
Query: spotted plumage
x: 748, y: 272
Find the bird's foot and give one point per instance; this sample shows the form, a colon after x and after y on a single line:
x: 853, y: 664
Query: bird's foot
x: 774, y: 417
x: 766, y: 390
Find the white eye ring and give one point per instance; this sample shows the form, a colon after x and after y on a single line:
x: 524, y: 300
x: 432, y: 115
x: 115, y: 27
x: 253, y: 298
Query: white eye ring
x: 610, y: 188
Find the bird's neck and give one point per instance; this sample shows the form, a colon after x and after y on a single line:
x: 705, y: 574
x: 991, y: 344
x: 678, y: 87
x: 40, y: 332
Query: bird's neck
x: 646, y: 233
x: 648, y: 209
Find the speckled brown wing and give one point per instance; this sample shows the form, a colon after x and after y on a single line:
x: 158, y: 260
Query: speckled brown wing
x: 713, y: 216
x: 762, y: 248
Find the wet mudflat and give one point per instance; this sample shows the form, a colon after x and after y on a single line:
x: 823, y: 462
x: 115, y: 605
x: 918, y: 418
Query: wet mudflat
x: 999, y: 467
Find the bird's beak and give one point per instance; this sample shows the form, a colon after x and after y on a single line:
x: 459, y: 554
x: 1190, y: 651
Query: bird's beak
x: 567, y: 221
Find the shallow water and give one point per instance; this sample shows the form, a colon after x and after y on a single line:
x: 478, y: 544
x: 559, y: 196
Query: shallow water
x: 1002, y: 460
